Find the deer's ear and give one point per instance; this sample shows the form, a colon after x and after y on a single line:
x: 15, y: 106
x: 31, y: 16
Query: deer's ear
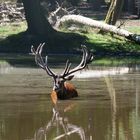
x: 69, y: 77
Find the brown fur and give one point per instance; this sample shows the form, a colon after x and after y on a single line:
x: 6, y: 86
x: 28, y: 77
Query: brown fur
x: 68, y: 92
x: 54, y: 97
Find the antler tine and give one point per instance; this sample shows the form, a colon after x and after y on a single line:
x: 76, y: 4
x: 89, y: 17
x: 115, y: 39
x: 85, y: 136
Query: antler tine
x: 38, y: 50
x: 47, y: 69
x: 33, y: 50
x: 83, y: 62
x: 40, y: 47
x: 67, y: 68
x: 84, y: 49
x: 39, y: 60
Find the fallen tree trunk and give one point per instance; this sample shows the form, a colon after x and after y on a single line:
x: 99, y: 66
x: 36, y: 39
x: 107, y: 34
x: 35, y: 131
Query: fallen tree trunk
x: 100, y: 25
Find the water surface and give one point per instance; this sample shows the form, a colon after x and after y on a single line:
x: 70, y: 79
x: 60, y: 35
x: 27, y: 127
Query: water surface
x: 108, y: 106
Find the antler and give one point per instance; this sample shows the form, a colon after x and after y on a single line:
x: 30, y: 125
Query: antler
x: 86, y: 58
x: 39, y: 60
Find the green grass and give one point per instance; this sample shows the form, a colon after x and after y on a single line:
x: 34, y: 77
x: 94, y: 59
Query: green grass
x: 12, y: 29
x: 116, y: 61
x: 109, y: 44
x: 106, y: 43
x: 15, y: 41
x: 133, y: 29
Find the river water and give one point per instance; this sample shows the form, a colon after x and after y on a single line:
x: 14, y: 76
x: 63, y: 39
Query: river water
x: 108, y: 106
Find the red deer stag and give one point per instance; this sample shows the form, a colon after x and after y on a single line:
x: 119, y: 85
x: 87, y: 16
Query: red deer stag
x: 62, y: 89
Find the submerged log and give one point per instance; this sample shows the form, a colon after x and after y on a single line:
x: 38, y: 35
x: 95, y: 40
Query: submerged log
x: 100, y: 25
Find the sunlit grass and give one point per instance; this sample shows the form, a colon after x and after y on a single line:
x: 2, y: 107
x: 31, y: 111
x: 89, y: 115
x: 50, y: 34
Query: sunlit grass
x: 111, y: 44
x: 108, y: 43
x: 11, y: 29
x: 133, y: 29
x: 114, y: 61
x: 100, y: 43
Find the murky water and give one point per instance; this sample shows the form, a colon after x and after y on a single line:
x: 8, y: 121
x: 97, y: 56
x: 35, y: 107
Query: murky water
x: 108, y: 106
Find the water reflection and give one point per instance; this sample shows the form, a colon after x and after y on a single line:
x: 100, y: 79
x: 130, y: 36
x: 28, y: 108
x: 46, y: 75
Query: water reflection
x: 57, y: 128
x: 97, y: 71
x: 122, y: 125
x: 102, y: 72
x: 108, y: 107
x: 5, y: 68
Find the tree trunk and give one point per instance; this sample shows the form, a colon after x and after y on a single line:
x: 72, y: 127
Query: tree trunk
x: 36, y: 19
x: 100, y: 25
x: 110, y: 12
x: 114, y: 11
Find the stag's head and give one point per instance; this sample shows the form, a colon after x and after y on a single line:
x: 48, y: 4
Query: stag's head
x: 60, y: 79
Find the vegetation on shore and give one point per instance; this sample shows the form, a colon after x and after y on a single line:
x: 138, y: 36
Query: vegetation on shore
x: 12, y: 29
x: 13, y: 39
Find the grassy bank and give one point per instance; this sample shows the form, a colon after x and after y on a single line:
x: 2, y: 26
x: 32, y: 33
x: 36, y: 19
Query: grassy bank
x: 108, y: 45
x: 12, y: 29
x: 13, y: 39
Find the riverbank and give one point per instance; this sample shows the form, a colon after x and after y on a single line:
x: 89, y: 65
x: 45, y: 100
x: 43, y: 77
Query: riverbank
x: 13, y: 39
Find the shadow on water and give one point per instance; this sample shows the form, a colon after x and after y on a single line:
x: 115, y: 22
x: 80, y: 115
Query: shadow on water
x: 108, y: 106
